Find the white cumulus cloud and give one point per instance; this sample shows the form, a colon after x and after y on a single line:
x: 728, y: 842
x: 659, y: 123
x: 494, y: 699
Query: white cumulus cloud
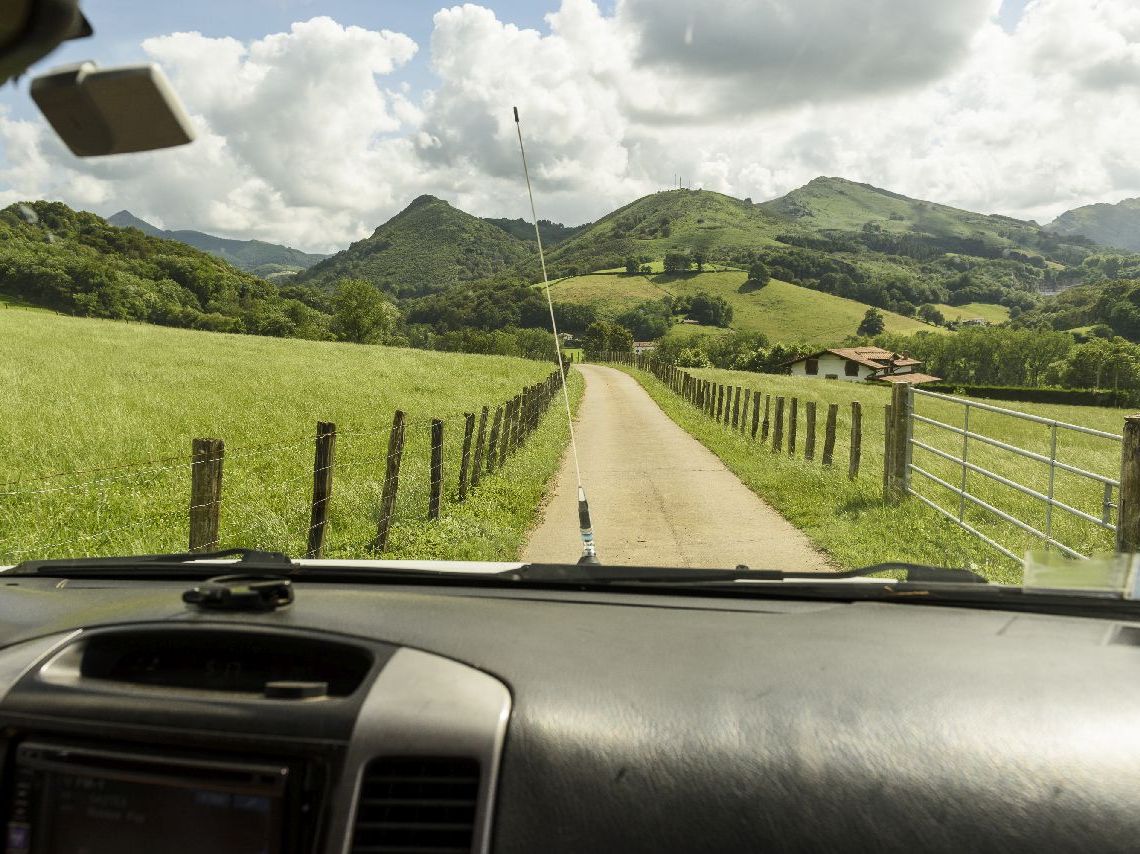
x: 311, y: 137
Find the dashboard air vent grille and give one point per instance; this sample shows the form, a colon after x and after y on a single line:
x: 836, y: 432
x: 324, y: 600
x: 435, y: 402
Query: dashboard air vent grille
x: 413, y: 805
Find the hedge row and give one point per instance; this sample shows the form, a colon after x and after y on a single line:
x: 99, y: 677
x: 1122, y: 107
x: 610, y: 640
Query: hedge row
x: 1070, y: 396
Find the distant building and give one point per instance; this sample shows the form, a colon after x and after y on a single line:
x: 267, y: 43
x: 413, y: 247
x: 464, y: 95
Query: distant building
x: 640, y: 347
x: 859, y: 363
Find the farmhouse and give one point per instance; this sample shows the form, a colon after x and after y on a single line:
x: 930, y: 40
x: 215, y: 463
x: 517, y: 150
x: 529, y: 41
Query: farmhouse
x: 859, y: 363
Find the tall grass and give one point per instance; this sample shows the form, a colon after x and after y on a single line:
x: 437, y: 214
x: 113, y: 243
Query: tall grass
x: 849, y: 518
x: 114, y: 408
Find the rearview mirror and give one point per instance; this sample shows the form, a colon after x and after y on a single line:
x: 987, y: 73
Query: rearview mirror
x: 112, y: 110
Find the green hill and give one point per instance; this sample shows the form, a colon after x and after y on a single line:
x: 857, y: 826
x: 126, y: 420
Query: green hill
x: 781, y: 311
x: 1109, y: 225
x: 77, y: 263
x: 669, y: 221
x: 836, y: 204
x: 253, y: 256
x: 425, y: 248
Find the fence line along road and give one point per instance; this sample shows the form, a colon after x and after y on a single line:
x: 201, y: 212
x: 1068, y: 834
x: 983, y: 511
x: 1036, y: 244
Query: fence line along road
x: 719, y: 402
x: 739, y: 409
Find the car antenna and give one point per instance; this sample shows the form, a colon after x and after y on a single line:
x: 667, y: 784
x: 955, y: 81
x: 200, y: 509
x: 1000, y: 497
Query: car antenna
x: 589, y: 551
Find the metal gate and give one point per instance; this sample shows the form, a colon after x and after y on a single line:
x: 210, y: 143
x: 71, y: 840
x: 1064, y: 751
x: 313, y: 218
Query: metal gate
x: 973, y: 440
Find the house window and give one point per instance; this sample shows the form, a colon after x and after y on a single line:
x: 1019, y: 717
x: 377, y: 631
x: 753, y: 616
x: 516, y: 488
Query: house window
x: 852, y: 369
x: 811, y: 367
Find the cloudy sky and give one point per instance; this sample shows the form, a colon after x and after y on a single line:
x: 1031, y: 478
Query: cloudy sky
x: 319, y: 120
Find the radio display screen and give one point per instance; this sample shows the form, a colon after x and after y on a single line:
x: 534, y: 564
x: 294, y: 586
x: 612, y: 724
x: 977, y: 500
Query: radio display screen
x: 70, y: 800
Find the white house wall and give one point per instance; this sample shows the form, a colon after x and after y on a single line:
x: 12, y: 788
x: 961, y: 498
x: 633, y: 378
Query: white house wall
x: 830, y: 364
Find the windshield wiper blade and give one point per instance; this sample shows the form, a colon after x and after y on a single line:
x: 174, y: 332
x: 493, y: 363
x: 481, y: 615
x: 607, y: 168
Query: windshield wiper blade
x: 602, y: 574
x: 253, y: 561
x: 248, y: 559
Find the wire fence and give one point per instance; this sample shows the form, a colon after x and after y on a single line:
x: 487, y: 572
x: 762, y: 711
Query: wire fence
x: 342, y: 491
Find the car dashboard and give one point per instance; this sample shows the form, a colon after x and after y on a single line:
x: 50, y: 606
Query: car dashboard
x: 408, y: 718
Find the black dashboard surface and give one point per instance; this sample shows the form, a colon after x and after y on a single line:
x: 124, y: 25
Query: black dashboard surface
x: 662, y: 723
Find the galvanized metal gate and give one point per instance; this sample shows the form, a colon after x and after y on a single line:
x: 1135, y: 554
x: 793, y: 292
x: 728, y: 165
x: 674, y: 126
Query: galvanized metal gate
x: 916, y: 476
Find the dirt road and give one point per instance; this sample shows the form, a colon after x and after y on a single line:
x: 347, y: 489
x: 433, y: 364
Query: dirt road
x: 657, y: 496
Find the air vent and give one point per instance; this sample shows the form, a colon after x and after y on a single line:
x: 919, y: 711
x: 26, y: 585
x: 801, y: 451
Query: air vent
x: 413, y: 805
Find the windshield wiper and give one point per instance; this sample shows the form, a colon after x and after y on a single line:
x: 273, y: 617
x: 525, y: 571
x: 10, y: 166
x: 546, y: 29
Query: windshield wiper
x: 578, y: 573
x: 253, y: 561
x: 248, y: 560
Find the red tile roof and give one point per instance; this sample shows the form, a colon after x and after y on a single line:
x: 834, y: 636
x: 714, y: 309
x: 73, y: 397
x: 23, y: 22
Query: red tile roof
x: 912, y: 377
x: 873, y: 357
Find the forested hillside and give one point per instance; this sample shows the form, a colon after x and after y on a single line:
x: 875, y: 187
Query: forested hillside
x: 77, y: 263
x: 1110, y: 225
x: 425, y: 248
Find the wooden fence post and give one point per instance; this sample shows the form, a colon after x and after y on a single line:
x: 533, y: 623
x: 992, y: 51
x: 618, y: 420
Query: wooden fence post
x: 778, y: 433
x: 391, y: 480
x: 793, y: 425
x: 856, y: 439
x: 206, y: 493
x: 744, y: 410
x: 829, y: 433
x: 719, y: 401
x: 755, y: 413
x: 480, y: 439
x: 736, y: 408
x: 888, y: 447
x: 767, y: 422
x: 436, y: 469
x: 809, y: 439
x: 493, y: 443
x: 505, y: 435
x: 900, y: 439
x: 323, y: 461
x: 465, y: 457
x: 1128, y: 515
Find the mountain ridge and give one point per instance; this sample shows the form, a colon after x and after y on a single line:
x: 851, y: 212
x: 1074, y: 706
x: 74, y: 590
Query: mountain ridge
x: 252, y: 256
x: 1114, y: 225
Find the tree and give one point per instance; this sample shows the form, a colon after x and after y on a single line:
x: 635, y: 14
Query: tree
x: 692, y: 357
x: 650, y: 320
x: 699, y: 260
x: 676, y: 262
x: 361, y: 314
x: 710, y: 310
x: 572, y: 317
x: 631, y: 265
x: 931, y: 314
x: 873, y: 323
x: 759, y: 275
x: 605, y: 337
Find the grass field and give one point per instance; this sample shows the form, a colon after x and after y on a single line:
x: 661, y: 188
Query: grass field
x: 782, y: 311
x: 120, y: 403
x: 849, y: 518
x: 986, y: 311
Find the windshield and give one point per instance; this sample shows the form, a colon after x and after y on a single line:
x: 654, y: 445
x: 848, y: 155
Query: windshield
x: 785, y: 285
